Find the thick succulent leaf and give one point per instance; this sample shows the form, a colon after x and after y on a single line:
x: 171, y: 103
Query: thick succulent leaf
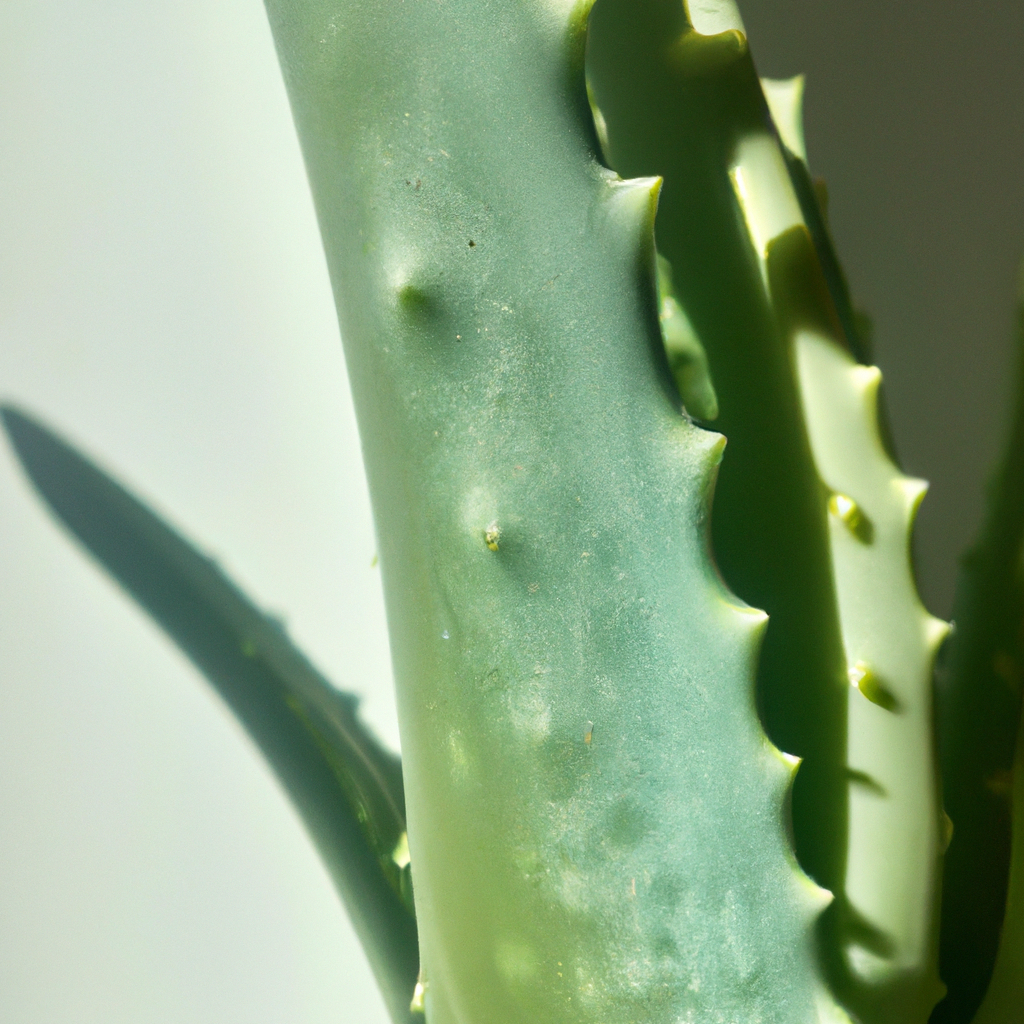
x: 887, y: 933
x: 979, y: 701
x: 804, y: 424
x: 680, y: 102
x: 896, y: 827
x: 785, y: 101
x: 897, y: 830
x: 595, y: 815
x: 785, y: 98
x: 347, y: 788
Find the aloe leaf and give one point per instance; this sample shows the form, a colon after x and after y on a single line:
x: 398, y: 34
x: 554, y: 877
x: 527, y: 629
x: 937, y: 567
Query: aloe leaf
x: 785, y: 101
x: 979, y: 701
x: 346, y: 787
x: 897, y: 831
x: 767, y: 298
x: 596, y: 817
x: 678, y: 95
x: 896, y: 834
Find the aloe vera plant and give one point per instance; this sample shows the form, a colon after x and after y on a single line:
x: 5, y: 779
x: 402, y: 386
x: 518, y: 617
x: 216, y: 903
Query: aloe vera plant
x: 574, y: 252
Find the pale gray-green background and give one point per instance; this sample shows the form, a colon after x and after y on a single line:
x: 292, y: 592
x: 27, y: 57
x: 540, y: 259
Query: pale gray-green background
x: 163, y: 299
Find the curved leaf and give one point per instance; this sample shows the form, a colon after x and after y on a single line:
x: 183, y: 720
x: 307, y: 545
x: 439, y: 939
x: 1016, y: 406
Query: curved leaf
x: 346, y: 786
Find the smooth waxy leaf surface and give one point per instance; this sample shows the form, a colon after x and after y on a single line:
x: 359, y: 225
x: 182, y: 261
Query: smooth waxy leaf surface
x: 595, y: 816
x: 755, y: 272
x: 678, y: 96
x: 897, y: 831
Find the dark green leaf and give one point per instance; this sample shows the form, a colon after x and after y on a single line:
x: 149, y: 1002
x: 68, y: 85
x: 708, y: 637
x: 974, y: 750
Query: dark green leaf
x: 979, y: 704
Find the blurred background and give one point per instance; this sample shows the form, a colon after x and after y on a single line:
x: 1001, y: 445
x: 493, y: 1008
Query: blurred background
x: 163, y: 301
